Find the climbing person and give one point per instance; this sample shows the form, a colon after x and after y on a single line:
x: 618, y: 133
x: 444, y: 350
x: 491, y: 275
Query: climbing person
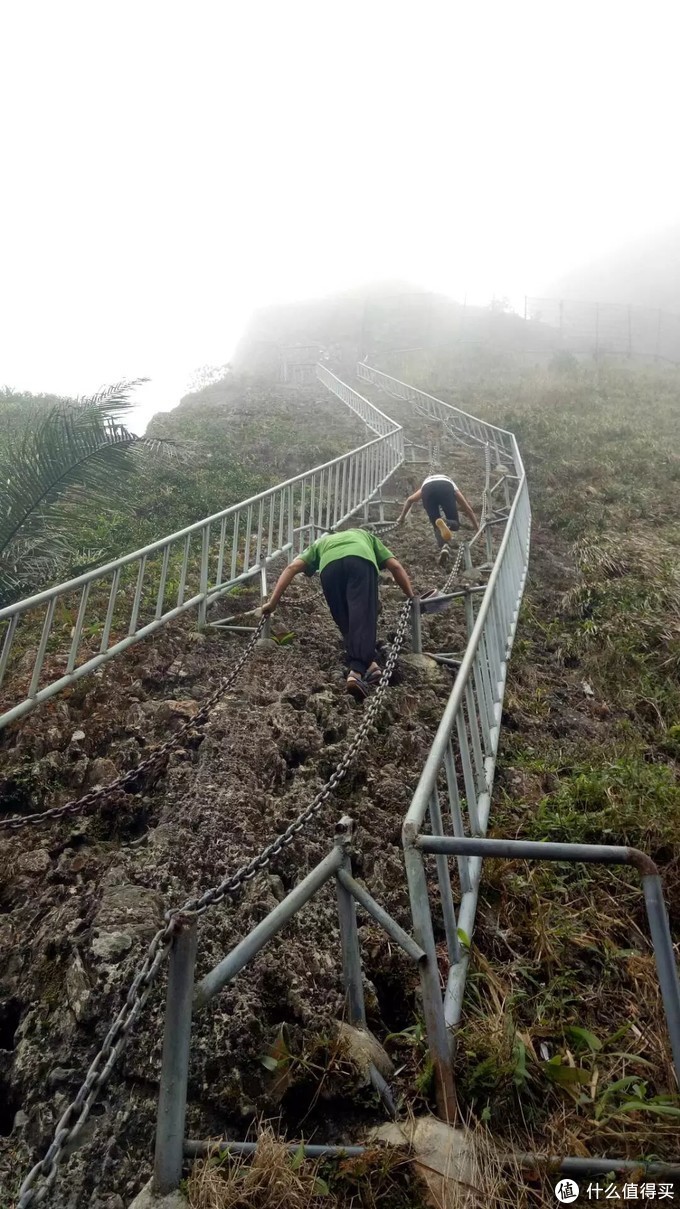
x: 441, y: 499
x: 348, y: 563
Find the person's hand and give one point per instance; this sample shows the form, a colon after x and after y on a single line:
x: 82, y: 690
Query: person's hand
x: 267, y: 608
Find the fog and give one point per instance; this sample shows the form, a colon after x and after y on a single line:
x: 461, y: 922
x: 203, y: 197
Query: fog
x: 168, y: 167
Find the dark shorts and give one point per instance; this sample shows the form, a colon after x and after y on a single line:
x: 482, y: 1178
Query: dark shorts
x: 439, y: 499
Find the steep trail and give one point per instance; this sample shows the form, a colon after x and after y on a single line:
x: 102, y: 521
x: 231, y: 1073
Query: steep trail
x: 267, y: 748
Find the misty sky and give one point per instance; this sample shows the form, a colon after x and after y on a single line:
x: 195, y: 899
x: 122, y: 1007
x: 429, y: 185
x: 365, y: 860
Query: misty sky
x: 169, y: 166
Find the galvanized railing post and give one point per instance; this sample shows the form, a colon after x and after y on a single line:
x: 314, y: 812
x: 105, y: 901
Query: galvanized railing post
x: 416, y: 627
x: 469, y: 611
x: 203, y: 588
x: 665, y: 960
x: 433, y: 1005
x: 349, y: 936
x: 172, y: 1096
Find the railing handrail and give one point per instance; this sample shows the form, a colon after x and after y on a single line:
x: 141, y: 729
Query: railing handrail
x: 69, y: 585
x: 428, y: 777
x: 440, y: 403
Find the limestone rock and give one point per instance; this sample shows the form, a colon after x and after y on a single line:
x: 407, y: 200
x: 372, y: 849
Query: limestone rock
x: 109, y: 946
x: 78, y: 989
x: 128, y: 910
x: 365, y: 1050
x: 177, y: 709
x: 426, y: 668
x: 34, y: 863
x: 442, y: 1156
x: 101, y: 772
x: 147, y: 1199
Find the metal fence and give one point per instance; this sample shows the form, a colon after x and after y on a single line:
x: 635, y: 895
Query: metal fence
x: 185, y: 1000
x: 601, y: 328
x: 459, y: 772
x: 460, y: 767
x: 462, y: 759
x: 88, y: 620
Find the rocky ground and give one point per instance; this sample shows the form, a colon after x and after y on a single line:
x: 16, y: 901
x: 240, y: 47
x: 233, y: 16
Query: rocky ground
x: 561, y: 962
x: 81, y: 898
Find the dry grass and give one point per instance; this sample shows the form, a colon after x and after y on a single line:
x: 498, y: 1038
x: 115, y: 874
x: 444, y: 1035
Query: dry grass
x: 271, y: 1178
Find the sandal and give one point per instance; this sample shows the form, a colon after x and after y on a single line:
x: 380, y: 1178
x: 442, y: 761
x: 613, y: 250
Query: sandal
x: 373, y: 677
x: 356, y: 687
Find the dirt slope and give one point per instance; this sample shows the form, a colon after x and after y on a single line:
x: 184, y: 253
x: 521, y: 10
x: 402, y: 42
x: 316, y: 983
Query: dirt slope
x: 80, y: 899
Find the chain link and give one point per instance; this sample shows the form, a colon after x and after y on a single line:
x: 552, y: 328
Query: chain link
x: 380, y: 528
x: 73, y: 1119
x: 434, y: 455
x: 96, y: 796
x: 455, y: 569
x: 486, y: 500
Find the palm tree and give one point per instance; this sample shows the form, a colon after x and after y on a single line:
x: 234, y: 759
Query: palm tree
x: 56, y: 459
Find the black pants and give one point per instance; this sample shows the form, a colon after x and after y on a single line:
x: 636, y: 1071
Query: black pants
x: 439, y: 499
x: 350, y: 586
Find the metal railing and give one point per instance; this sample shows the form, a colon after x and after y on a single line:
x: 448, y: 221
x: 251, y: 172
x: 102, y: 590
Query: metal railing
x: 457, y: 423
x: 459, y: 769
x: 185, y: 999
x: 461, y: 762
x: 89, y: 620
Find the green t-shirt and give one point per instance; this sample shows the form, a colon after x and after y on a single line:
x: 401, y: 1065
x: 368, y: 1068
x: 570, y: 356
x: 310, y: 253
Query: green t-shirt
x: 356, y: 542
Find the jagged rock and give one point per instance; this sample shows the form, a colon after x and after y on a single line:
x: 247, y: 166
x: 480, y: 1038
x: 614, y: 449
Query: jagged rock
x: 364, y: 1050
x: 53, y: 764
x: 78, y: 988
x: 111, y: 945
x: 125, y: 753
x: 34, y: 863
x: 76, y: 771
x: 442, y: 1156
x: 324, y: 705
x: 130, y: 910
x: 426, y: 668
x: 53, y: 737
x: 277, y: 887
x: 101, y: 772
x: 78, y: 736
x: 136, y: 717
x: 472, y: 577
x: 147, y: 1199
x: 174, y: 713
x: 61, y: 1075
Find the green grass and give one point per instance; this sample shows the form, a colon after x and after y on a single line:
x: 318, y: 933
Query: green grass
x: 563, y: 1033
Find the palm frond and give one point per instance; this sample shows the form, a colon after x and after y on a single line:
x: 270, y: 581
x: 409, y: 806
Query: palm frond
x: 112, y: 400
x: 55, y: 461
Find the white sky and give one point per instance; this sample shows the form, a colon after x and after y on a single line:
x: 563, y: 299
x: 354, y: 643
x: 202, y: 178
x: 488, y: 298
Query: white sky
x: 168, y: 166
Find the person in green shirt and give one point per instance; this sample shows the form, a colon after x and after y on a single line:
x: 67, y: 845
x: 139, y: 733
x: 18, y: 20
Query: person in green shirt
x: 348, y: 563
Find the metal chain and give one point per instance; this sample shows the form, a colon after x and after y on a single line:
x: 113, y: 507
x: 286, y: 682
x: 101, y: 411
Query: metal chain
x: 455, y: 569
x: 434, y: 455
x: 487, y: 485
x: 77, y: 1112
x: 380, y: 528
x: 96, y: 796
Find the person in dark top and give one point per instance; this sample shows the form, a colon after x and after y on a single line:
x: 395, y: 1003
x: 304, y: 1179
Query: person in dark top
x: 441, y: 499
x: 348, y: 563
